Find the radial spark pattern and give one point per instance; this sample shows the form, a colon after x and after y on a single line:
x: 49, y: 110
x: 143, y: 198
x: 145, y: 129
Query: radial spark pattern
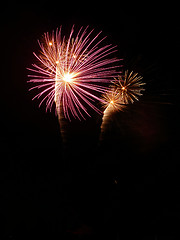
x: 129, y: 87
x: 73, y: 72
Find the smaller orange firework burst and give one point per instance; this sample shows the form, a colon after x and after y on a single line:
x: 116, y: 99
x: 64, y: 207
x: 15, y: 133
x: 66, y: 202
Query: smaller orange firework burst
x: 129, y: 87
x: 123, y: 91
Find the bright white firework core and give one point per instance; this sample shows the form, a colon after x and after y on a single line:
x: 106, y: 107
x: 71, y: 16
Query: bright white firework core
x: 68, y: 77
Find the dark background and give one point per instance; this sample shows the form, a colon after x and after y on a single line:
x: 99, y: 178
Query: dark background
x: 126, y: 187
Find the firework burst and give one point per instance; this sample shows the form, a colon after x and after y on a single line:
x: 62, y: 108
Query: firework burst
x: 73, y: 72
x: 129, y: 87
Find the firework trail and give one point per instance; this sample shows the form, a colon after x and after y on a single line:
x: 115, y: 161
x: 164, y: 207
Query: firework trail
x: 125, y: 90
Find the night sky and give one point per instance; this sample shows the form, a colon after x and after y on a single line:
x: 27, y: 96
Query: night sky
x: 127, y: 186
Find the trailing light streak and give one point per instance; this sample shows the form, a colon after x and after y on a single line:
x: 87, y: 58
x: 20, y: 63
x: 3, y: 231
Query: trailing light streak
x: 112, y: 102
x: 73, y: 72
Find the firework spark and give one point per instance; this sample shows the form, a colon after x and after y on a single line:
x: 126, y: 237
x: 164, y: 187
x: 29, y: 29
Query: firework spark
x: 73, y: 72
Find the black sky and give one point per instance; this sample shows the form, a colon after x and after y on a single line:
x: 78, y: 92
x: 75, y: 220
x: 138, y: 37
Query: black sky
x: 128, y: 186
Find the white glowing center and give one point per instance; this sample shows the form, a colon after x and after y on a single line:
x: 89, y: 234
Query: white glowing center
x: 68, y: 77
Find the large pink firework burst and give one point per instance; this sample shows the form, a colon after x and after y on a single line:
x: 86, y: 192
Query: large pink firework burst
x: 73, y: 72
